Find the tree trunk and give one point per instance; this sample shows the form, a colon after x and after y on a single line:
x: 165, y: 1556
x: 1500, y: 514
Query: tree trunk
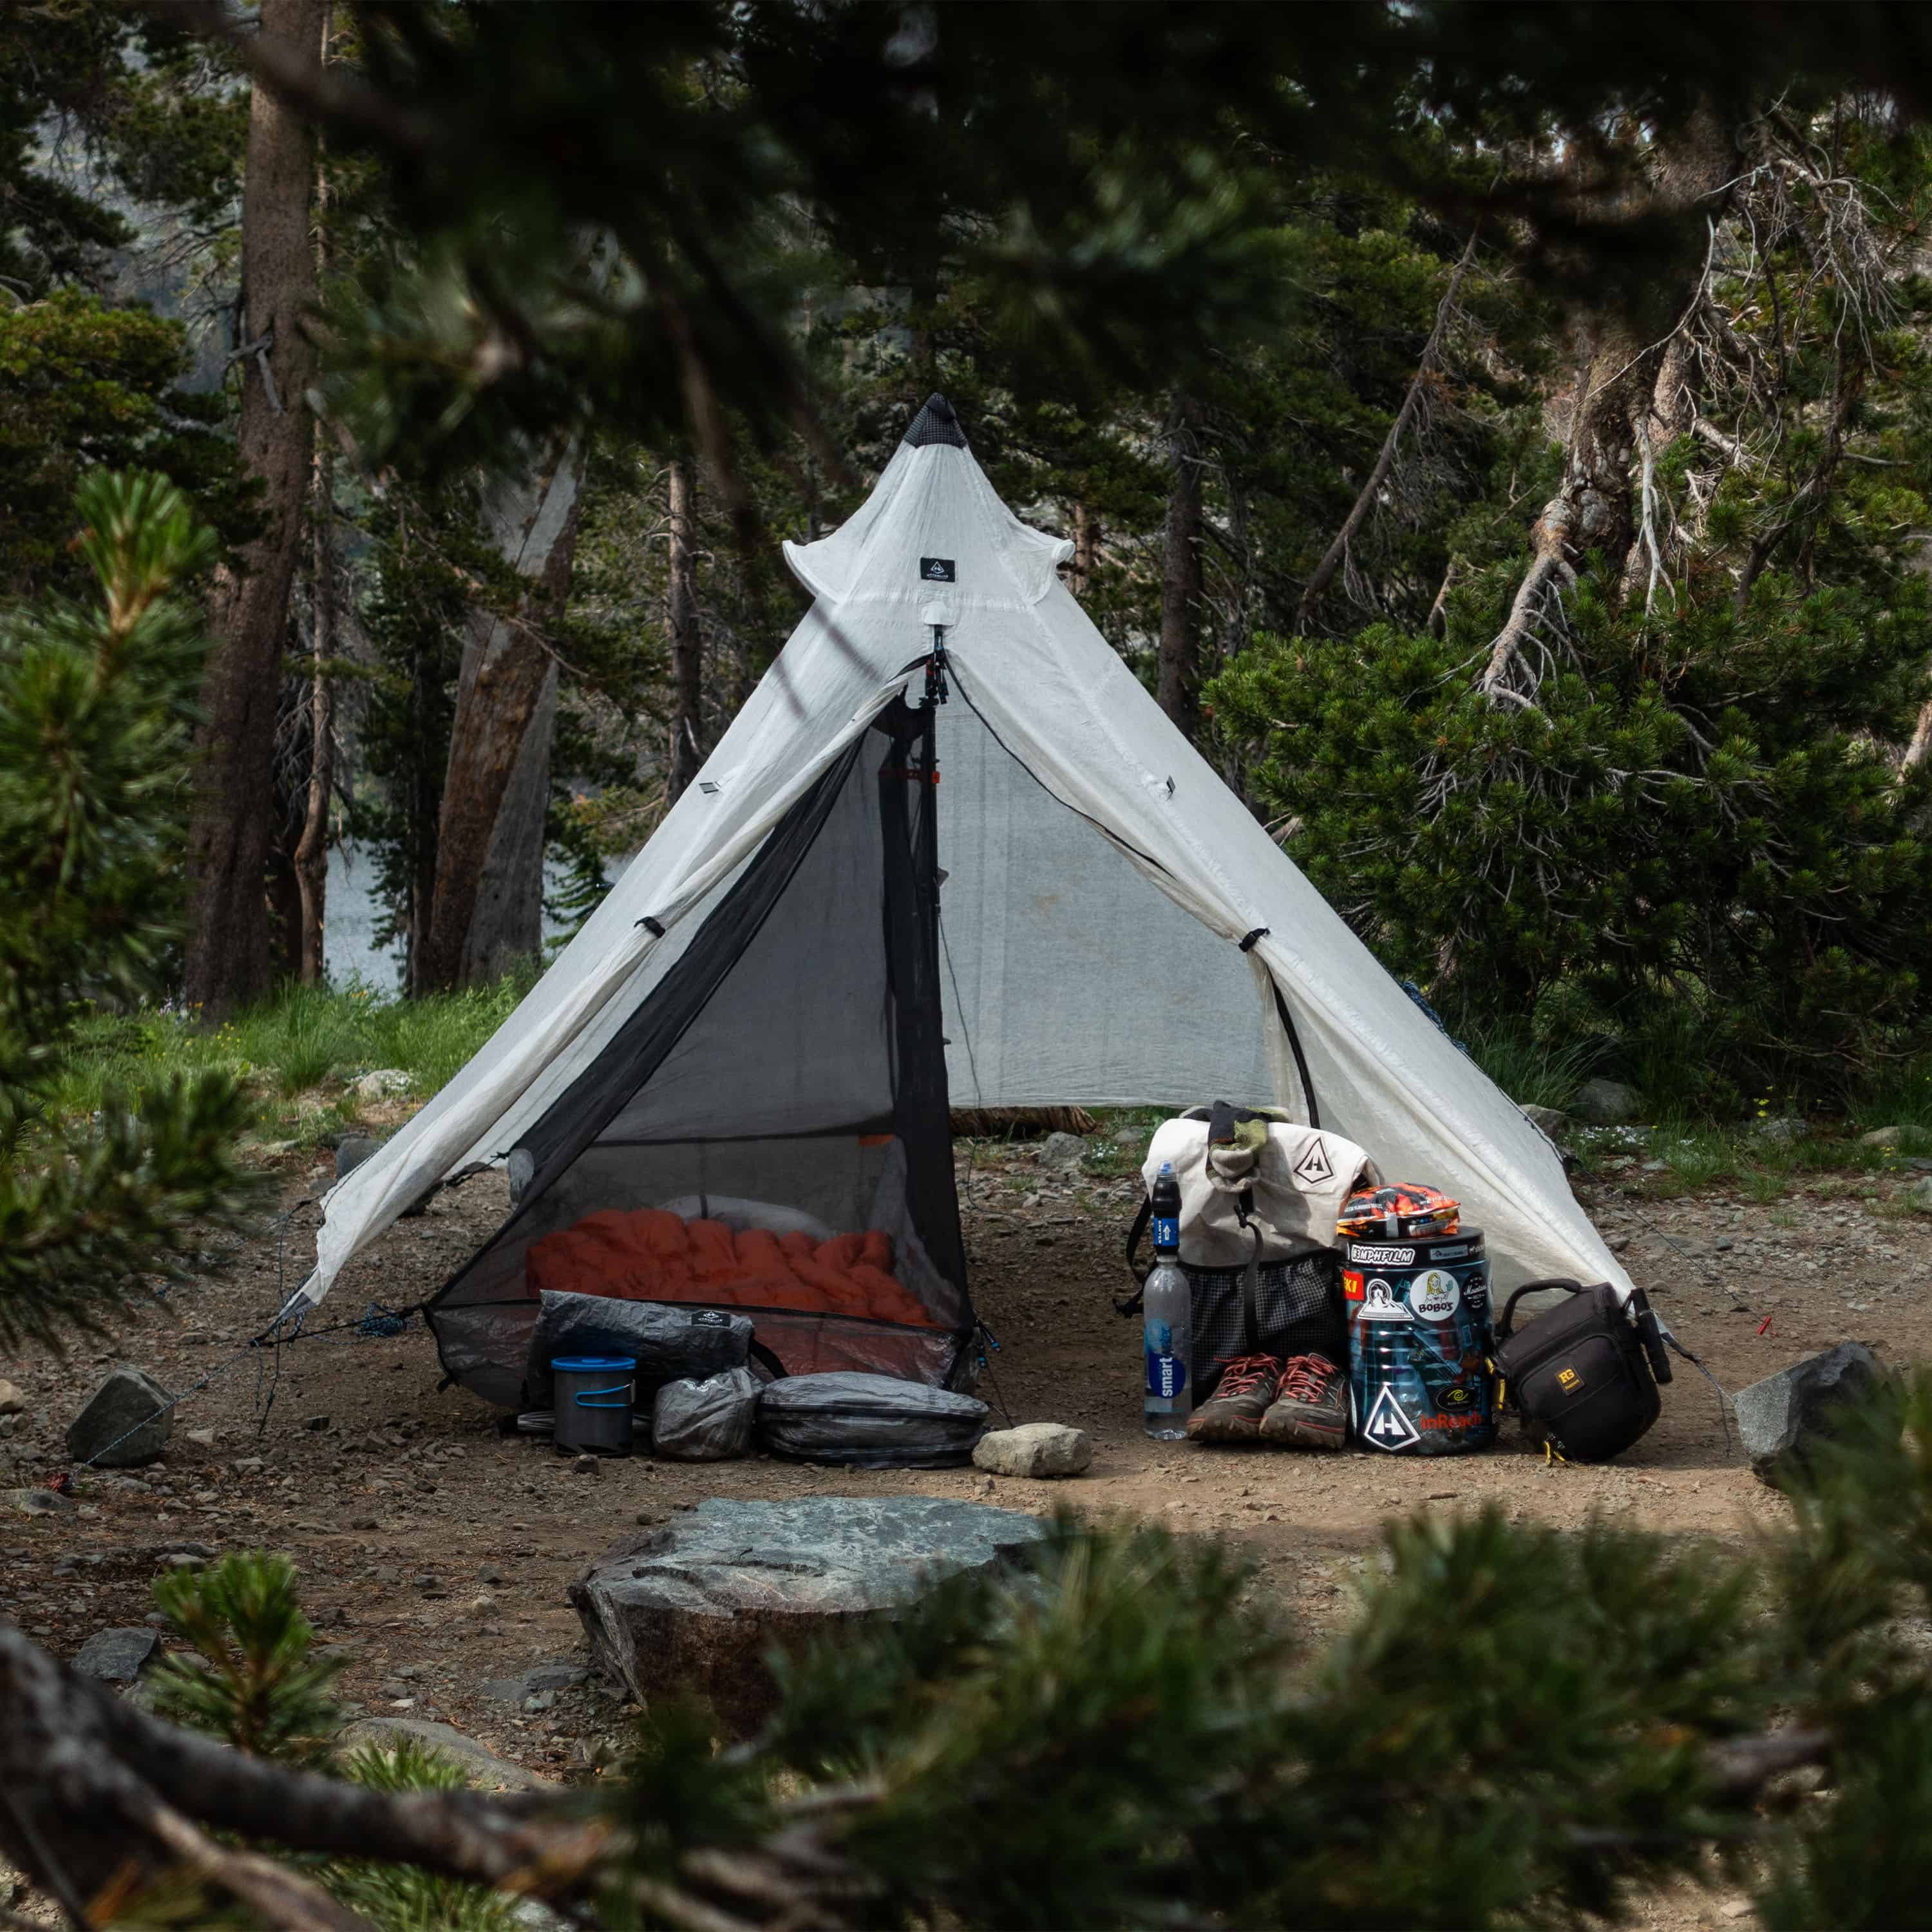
x: 230, y: 957
x: 1086, y: 548
x: 687, y: 639
x: 534, y: 521
x: 1180, y: 680
x: 311, y: 853
x: 507, y: 925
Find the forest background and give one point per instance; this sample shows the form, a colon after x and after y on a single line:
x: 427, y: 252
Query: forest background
x: 1523, y: 505
x: 1499, y: 437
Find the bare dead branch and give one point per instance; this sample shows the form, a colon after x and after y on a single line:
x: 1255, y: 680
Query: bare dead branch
x: 1331, y: 560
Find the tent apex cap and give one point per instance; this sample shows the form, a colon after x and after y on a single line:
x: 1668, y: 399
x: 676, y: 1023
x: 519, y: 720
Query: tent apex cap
x: 936, y: 422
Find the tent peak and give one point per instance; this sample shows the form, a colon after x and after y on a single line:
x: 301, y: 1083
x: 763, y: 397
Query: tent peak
x: 936, y: 422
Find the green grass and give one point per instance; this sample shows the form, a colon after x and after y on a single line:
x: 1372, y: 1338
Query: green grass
x: 1533, y: 1073
x: 303, y: 1040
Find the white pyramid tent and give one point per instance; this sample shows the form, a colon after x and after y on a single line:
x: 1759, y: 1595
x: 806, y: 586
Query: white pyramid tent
x: 1114, y: 928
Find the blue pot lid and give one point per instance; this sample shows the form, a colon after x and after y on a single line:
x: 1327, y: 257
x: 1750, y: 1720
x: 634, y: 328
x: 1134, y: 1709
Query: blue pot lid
x: 594, y: 1365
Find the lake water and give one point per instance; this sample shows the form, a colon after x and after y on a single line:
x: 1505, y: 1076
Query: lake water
x: 348, y: 949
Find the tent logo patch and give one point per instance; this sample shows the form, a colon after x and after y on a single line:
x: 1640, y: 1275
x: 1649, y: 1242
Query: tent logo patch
x: 1388, y: 1427
x: 1312, y: 1169
x: 936, y: 569
x: 710, y: 1318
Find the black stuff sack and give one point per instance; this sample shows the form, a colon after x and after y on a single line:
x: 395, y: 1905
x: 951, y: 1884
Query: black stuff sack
x: 1584, y: 1376
x: 707, y: 1421
x: 668, y: 1343
x: 876, y: 1422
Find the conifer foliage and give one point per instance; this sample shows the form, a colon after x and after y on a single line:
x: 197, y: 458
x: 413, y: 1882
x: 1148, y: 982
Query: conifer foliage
x: 96, y: 711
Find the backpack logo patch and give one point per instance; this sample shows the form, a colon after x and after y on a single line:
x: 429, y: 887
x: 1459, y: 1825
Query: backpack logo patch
x: 936, y: 569
x: 1312, y: 1169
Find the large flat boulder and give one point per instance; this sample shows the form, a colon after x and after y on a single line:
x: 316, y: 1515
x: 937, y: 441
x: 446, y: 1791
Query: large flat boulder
x: 1780, y: 1419
x: 694, y: 1604
x: 126, y: 1421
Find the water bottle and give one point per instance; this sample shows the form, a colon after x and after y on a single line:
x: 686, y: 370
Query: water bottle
x: 1167, y: 1315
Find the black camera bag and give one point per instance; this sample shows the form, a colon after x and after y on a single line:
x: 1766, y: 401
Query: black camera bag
x: 1584, y: 1376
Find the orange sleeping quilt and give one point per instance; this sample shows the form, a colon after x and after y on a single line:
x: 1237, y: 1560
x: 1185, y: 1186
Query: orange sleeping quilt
x: 650, y: 1255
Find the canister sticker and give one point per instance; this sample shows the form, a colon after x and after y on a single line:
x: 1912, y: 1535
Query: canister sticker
x: 1434, y: 1295
x: 1388, y: 1427
x: 1381, y: 1304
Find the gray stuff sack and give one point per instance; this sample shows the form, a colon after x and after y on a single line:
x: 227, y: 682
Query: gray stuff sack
x: 876, y: 1422
x: 707, y: 1421
x: 668, y: 1342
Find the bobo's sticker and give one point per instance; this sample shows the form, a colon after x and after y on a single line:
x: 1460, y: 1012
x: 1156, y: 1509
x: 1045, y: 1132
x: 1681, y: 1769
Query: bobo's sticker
x: 1434, y: 1295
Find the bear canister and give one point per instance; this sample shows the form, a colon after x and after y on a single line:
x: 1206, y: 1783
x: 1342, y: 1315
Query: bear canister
x: 1418, y: 1308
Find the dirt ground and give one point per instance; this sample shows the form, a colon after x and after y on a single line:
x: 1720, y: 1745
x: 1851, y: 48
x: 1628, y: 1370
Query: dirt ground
x: 436, y: 1550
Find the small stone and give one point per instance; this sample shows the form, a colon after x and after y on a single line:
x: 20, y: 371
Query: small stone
x: 116, y: 1656
x: 1918, y: 1196
x: 1780, y: 1419
x: 1606, y: 1103
x: 12, y: 1402
x: 382, y: 1083
x: 1129, y: 1137
x: 1062, y: 1150
x: 540, y: 1700
x: 588, y: 1465
x: 205, y: 1437
x: 316, y: 1422
x: 183, y: 1559
x: 484, y: 1605
x: 1039, y: 1449
x: 1551, y: 1120
x: 40, y: 1502
x: 250, y: 1465
x: 489, y: 1573
x: 363, y: 1522
x: 1882, y: 1137
x: 1735, y: 1908
x: 126, y: 1422
x: 351, y: 1151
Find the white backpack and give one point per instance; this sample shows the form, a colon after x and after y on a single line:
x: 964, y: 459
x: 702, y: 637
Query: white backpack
x: 1290, y: 1189
x: 1258, y: 1216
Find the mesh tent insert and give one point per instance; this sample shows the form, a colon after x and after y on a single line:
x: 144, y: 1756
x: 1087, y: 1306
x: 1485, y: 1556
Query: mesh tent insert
x: 791, y: 1059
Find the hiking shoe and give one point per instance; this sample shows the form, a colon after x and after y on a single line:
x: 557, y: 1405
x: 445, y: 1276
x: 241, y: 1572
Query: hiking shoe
x: 1311, y: 1411
x: 1242, y: 1396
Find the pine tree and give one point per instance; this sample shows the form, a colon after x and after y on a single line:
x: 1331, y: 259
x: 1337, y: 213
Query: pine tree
x: 96, y: 709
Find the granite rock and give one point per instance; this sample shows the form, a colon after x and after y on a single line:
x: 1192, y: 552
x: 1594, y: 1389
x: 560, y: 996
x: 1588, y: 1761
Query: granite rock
x: 1606, y: 1103
x: 694, y: 1604
x: 127, y: 1401
x: 1781, y: 1418
x: 116, y: 1656
x: 351, y: 1150
x: 1038, y: 1449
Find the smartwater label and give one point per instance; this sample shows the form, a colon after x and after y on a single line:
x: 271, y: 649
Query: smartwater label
x: 1166, y: 1375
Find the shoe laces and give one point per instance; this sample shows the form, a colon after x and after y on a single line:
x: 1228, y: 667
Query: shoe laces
x: 1307, y: 1378
x: 1246, y: 1373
